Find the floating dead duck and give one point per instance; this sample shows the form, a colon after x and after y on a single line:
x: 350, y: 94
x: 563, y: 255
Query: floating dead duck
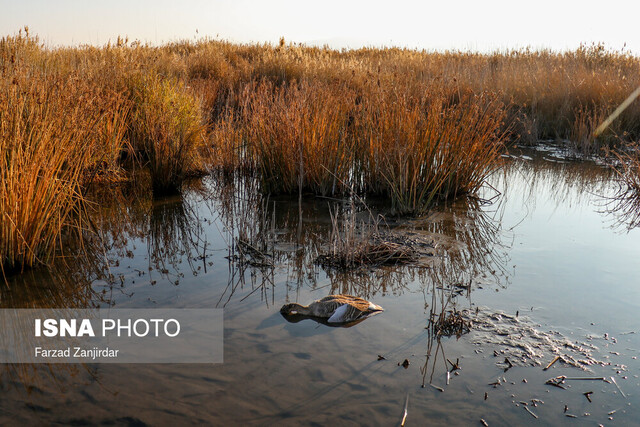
x: 337, y: 309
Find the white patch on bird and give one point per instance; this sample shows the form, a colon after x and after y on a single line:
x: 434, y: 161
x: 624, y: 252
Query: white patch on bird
x: 374, y: 307
x: 338, y: 316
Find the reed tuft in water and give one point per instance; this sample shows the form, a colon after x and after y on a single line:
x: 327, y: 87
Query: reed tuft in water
x: 166, y: 130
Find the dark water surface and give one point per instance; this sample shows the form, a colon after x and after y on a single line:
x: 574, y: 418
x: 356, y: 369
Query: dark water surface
x: 545, y: 248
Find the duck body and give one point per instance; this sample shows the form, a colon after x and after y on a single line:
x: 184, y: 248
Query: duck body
x: 335, y: 308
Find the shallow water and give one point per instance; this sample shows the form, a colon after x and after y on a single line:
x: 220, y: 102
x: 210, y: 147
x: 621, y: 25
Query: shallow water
x: 544, y: 248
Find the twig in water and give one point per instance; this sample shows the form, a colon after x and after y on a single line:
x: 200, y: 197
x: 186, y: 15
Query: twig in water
x: 440, y: 389
x: 454, y: 366
x: 404, y: 415
x: 585, y: 378
x: 526, y: 408
x: 616, y: 384
x: 556, y: 382
x: 555, y: 359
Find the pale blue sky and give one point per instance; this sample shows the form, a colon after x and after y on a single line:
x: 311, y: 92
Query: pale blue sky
x: 463, y: 24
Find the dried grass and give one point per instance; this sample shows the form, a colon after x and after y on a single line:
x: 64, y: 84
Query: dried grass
x: 415, y: 127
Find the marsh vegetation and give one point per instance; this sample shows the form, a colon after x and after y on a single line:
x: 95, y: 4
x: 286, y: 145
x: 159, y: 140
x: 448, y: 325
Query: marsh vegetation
x: 416, y: 128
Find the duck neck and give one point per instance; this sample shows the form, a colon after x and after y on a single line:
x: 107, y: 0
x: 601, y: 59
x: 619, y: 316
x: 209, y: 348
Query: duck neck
x: 300, y: 309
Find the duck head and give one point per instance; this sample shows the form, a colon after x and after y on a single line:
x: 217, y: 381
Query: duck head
x: 293, y: 307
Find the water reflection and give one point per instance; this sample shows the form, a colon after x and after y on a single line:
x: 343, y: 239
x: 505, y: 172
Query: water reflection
x: 171, y: 230
x: 54, y: 287
x: 90, y: 273
x: 474, y: 247
x: 176, y: 239
x: 624, y: 207
x: 296, y: 318
x: 545, y: 174
x: 226, y: 244
x: 268, y: 244
x: 62, y: 285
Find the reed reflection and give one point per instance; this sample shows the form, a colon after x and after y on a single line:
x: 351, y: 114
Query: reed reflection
x: 546, y: 174
x: 275, y: 242
x: 64, y: 284
x: 171, y: 229
x: 624, y: 205
x: 624, y: 208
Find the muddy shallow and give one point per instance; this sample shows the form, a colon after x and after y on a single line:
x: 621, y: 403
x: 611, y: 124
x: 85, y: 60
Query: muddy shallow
x: 544, y: 249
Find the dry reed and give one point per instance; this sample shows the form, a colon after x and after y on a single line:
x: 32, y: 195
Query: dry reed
x: 415, y: 127
x: 166, y: 129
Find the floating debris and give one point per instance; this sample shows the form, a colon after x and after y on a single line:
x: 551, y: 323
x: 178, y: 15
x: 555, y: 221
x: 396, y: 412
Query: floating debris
x: 404, y: 364
x: 588, y: 395
x: 555, y: 359
x: 404, y: 414
x: 381, y: 357
x: 454, y: 366
x: 508, y: 364
x: 375, y: 249
x: 440, y: 389
x: 483, y: 422
x: 556, y: 382
x: 530, y: 411
x: 535, y: 402
x: 585, y: 378
x: 449, y: 323
x: 523, y: 343
x: 619, y: 389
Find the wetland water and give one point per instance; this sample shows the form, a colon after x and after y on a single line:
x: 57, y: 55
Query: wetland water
x: 544, y: 249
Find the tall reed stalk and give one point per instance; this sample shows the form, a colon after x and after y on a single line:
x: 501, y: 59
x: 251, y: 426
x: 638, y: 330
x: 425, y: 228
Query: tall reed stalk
x: 43, y: 155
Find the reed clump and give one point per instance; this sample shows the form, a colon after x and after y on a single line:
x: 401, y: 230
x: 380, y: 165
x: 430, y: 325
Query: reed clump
x: 166, y: 130
x: 434, y: 146
x: 43, y: 156
x: 297, y: 136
